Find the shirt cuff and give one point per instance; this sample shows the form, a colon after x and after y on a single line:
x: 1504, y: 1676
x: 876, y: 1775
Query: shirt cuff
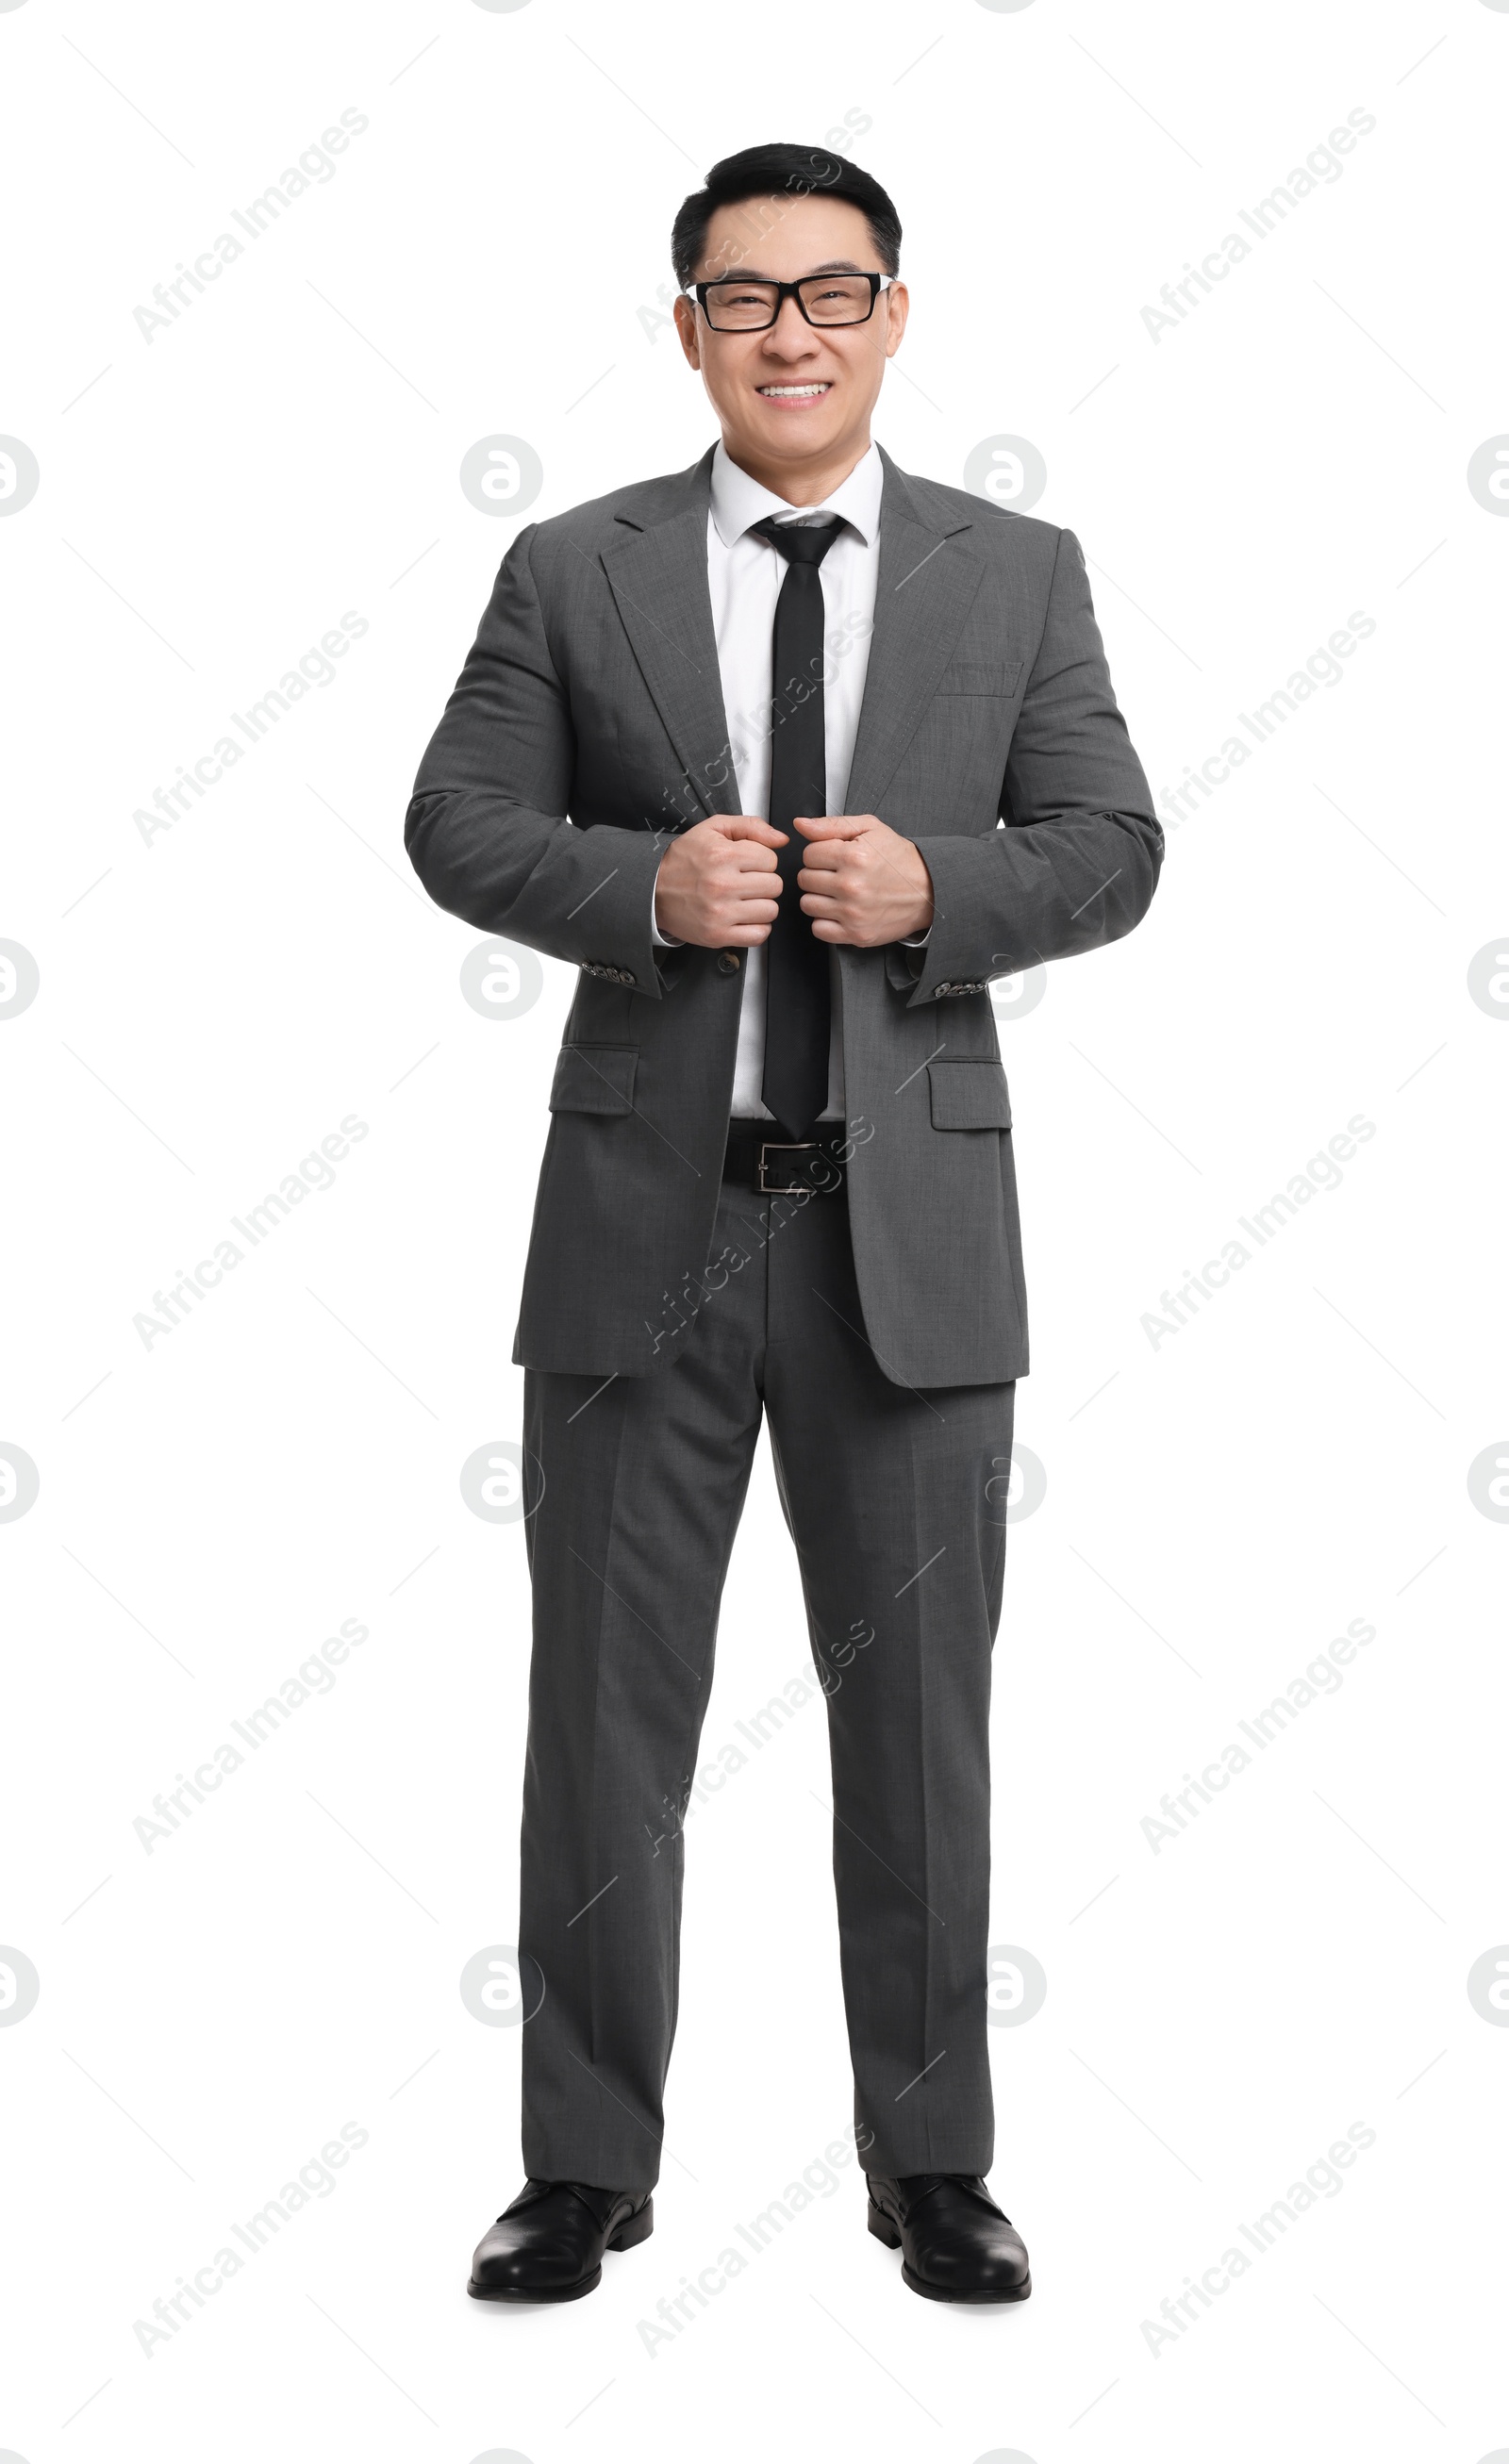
x: 915, y: 940
x: 659, y: 939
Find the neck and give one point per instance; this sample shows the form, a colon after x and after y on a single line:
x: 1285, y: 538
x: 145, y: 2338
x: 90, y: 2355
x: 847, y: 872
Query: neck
x: 804, y: 483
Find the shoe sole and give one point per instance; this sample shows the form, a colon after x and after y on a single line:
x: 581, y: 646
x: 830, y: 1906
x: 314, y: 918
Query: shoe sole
x: 938, y: 2293
x: 636, y: 2230
x: 885, y: 2231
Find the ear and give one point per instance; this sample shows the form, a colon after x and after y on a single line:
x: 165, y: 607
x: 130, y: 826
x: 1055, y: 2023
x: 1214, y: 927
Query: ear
x: 685, y: 315
x: 897, y: 305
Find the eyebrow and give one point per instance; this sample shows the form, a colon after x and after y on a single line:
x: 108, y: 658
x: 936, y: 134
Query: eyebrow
x: 746, y: 274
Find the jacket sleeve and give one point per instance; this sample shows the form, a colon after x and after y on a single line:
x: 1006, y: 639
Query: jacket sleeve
x: 487, y: 830
x: 1078, y: 858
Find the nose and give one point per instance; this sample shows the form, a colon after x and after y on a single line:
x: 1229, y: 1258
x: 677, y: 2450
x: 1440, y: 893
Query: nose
x: 790, y: 331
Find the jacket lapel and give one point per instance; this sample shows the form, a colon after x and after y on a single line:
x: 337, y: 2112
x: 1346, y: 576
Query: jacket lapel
x: 928, y: 578
x: 929, y: 574
x: 659, y: 578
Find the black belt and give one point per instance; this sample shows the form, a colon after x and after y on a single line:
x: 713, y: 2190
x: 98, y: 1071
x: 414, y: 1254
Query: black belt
x: 777, y: 1167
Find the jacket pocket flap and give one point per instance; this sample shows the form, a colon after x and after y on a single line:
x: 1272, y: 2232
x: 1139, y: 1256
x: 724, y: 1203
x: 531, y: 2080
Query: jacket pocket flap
x: 968, y: 1095
x: 964, y: 678
x: 594, y: 1078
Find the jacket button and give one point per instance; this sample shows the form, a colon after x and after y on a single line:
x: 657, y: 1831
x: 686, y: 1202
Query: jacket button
x: 728, y: 962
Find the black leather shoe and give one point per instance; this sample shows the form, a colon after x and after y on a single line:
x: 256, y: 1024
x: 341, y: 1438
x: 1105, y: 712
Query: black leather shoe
x: 955, y: 2243
x: 548, y: 2246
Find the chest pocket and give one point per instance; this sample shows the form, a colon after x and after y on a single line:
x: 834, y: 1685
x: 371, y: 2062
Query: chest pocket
x: 965, y: 677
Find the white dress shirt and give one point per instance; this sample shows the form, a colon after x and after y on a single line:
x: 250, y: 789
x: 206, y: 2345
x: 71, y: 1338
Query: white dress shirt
x: 744, y: 574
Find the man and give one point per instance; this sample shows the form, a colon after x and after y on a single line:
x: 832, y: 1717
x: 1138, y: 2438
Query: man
x: 789, y: 753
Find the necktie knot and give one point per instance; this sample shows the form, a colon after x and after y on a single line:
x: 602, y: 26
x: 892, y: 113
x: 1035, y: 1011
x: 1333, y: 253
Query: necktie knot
x: 799, y: 543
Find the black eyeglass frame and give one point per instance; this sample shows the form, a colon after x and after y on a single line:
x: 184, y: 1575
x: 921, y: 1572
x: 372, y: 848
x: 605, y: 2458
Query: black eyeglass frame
x: 785, y: 291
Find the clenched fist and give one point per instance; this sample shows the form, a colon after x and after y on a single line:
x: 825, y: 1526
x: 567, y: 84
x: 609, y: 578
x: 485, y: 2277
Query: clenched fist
x: 718, y: 885
x: 861, y: 882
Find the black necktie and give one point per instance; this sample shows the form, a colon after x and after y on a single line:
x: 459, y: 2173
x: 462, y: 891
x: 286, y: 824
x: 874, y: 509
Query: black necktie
x: 797, y: 1007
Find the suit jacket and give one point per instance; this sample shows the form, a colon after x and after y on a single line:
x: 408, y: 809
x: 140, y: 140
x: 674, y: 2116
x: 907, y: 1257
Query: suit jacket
x: 587, y: 725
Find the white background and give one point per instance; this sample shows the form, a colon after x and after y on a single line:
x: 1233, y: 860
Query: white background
x: 214, y: 1002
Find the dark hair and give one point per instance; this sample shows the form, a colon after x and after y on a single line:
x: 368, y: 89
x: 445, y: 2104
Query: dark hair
x: 776, y: 171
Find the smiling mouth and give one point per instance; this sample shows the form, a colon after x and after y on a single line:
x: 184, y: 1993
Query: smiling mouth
x: 796, y: 392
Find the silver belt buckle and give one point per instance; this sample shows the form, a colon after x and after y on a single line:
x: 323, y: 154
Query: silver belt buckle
x: 787, y: 1188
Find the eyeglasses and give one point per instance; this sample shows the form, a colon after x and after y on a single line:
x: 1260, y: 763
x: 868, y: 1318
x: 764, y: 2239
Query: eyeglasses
x: 734, y: 307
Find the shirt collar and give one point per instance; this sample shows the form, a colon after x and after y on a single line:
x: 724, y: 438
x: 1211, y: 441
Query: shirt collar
x: 738, y: 500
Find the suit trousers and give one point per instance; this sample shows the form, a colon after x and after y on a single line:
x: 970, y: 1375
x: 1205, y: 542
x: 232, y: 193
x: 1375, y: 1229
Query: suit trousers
x: 896, y: 1501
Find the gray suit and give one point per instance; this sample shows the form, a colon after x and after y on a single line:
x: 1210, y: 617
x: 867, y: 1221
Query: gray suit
x: 880, y: 1329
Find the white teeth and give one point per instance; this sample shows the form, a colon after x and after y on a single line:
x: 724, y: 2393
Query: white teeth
x: 793, y: 390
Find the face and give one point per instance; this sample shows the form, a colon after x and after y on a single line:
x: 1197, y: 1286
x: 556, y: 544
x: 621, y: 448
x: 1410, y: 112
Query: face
x: 794, y: 395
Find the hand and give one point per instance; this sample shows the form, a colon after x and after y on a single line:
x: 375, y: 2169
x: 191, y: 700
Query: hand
x: 718, y: 885
x: 862, y: 883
